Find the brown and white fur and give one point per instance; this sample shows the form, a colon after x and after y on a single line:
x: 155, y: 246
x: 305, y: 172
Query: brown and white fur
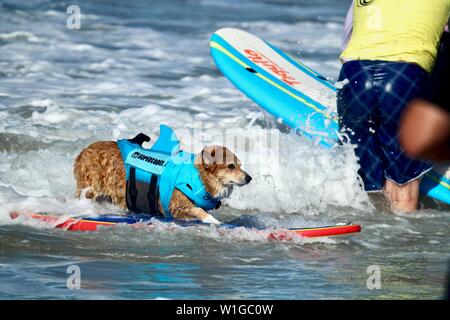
x: 100, y: 172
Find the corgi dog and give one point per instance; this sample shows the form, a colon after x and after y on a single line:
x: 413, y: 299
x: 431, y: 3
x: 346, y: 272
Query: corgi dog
x: 100, y: 172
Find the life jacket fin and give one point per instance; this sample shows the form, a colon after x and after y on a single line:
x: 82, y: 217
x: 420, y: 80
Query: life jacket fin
x: 167, y: 142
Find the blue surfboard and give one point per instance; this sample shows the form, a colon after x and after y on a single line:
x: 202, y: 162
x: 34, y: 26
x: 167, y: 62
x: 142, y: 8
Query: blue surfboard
x: 295, y: 94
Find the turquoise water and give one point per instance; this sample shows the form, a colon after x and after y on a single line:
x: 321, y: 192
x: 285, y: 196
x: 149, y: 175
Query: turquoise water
x: 135, y: 65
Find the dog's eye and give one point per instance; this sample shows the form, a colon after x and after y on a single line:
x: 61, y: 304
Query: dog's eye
x: 231, y: 166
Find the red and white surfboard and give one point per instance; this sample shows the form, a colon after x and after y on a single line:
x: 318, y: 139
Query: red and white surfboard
x: 95, y: 223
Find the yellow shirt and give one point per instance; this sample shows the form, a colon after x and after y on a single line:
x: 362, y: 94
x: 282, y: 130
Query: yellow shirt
x: 397, y: 30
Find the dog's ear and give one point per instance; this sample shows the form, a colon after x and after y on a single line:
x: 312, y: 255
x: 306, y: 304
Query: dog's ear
x: 208, y: 158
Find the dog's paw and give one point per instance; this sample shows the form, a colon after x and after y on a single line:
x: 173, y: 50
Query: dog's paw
x: 211, y: 219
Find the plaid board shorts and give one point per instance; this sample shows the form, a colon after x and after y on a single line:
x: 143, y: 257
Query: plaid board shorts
x: 370, y: 106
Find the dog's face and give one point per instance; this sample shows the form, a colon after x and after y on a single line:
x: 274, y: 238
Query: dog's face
x: 225, y: 166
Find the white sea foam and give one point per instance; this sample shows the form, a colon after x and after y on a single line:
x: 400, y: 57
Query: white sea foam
x: 19, y: 36
x: 299, y: 177
x: 341, y: 84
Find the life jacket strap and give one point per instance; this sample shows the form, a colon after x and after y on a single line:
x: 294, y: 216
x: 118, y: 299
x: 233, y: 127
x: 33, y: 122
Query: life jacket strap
x: 153, y: 194
x: 131, y: 190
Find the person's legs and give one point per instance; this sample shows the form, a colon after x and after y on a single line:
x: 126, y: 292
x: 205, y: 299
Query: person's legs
x: 399, y: 83
x: 370, y: 106
x: 403, y: 197
x: 357, y: 108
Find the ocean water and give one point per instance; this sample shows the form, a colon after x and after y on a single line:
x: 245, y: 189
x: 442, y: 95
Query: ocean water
x: 134, y: 65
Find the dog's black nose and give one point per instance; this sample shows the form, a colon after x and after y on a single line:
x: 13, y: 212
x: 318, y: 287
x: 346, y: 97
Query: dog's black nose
x: 248, y: 178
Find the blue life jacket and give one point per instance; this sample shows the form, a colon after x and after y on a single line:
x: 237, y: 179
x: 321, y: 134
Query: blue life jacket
x: 158, y: 171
